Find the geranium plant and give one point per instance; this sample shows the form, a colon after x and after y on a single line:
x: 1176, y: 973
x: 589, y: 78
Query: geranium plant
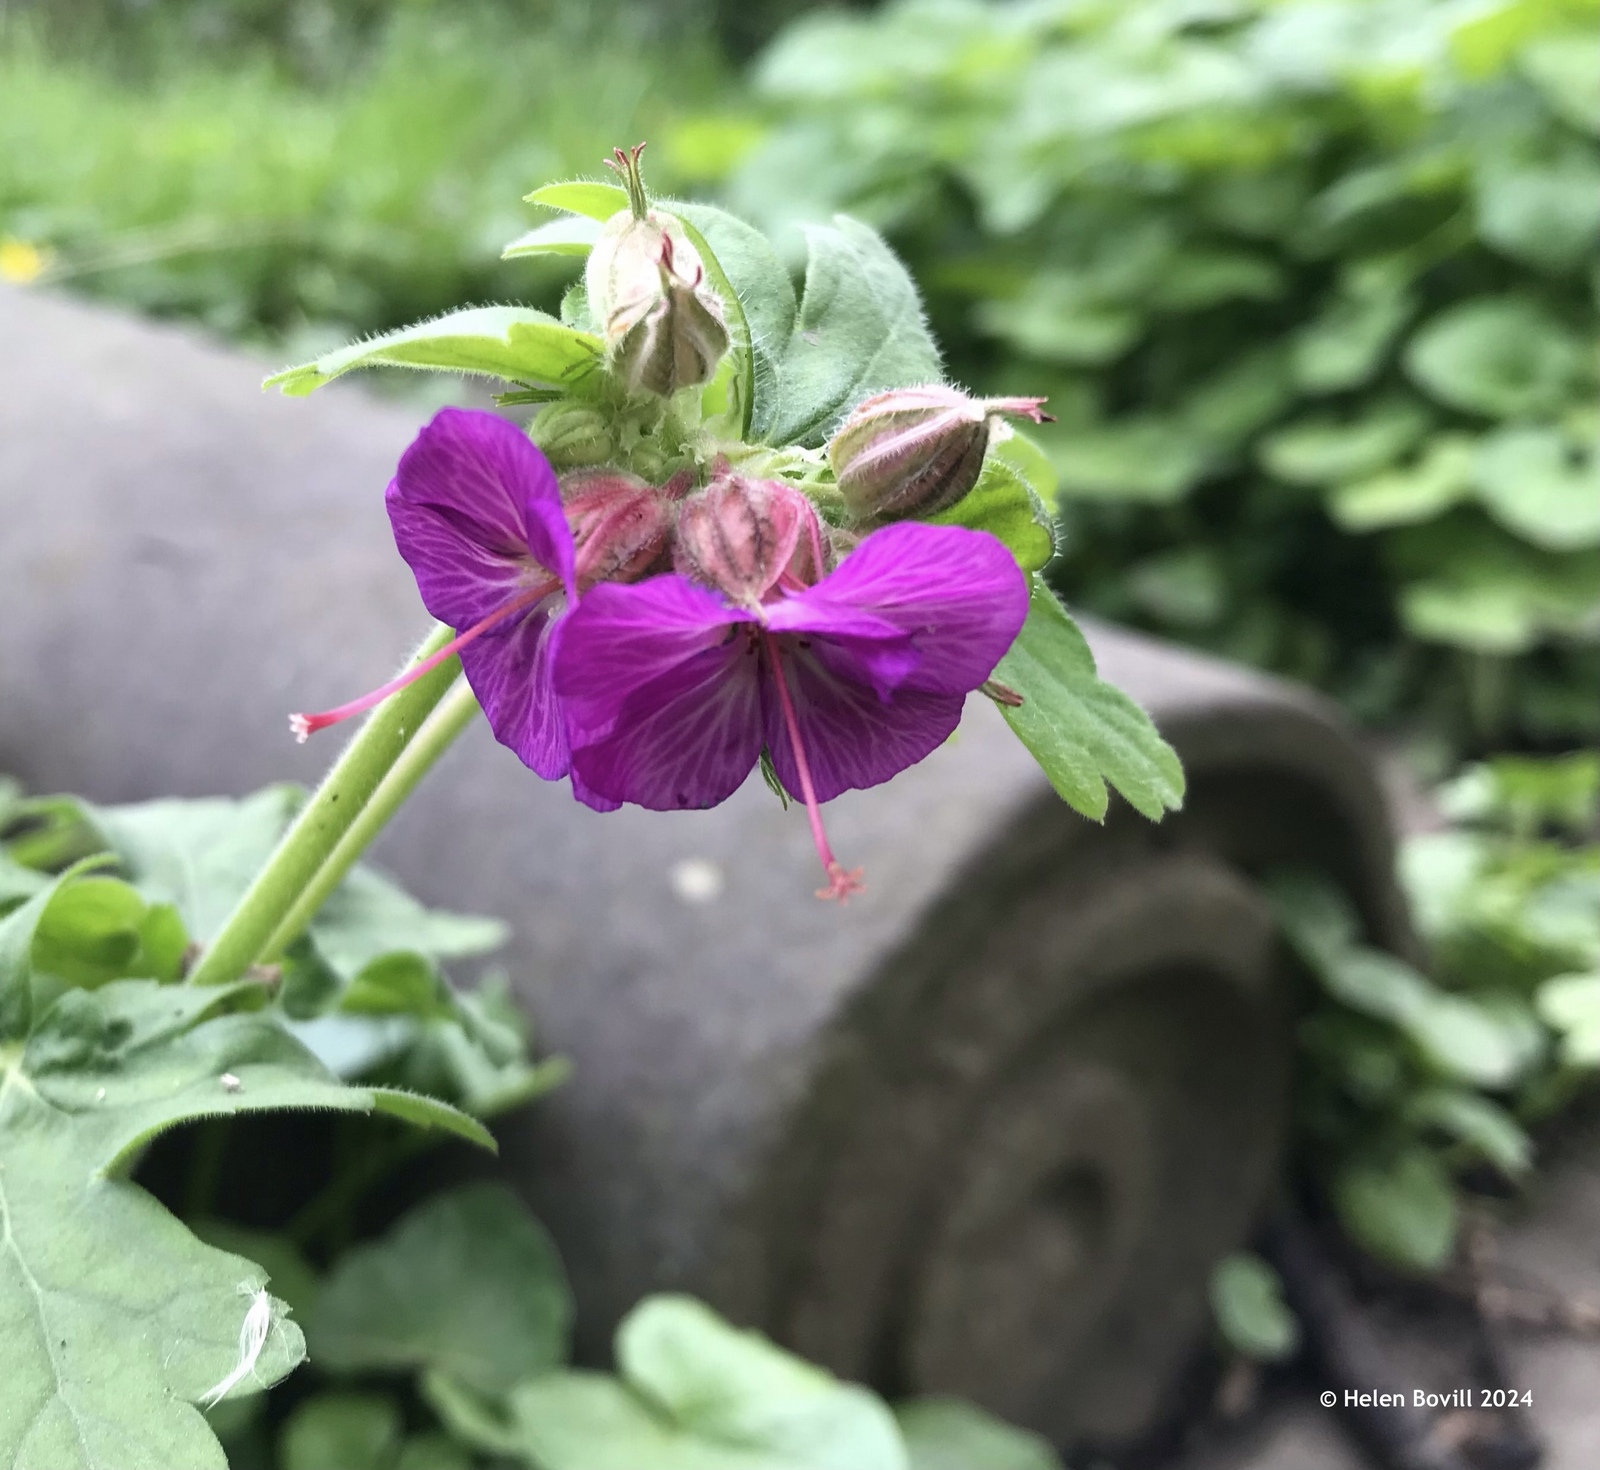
x: 745, y: 530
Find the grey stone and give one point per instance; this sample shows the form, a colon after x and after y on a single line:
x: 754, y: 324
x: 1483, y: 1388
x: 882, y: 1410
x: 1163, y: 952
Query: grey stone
x: 983, y: 1131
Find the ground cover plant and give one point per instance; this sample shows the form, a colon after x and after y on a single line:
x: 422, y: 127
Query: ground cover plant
x: 746, y: 529
x: 1311, y: 288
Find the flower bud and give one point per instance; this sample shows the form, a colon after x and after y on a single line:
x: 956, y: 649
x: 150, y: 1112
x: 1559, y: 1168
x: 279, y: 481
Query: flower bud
x: 663, y: 326
x: 743, y: 536
x: 620, y: 524
x: 916, y: 451
x: 573, y: 436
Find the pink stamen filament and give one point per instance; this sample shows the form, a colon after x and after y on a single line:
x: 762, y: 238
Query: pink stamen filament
x: 305, y: 726
x: 841, y: 882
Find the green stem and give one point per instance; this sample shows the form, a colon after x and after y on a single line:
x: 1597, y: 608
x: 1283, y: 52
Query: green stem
x: 325, y: 818
x: 438, y: 733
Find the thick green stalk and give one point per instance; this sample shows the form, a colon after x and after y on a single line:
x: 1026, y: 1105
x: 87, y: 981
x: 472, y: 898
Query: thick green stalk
x: 325, y: 818
x: 437, y: 734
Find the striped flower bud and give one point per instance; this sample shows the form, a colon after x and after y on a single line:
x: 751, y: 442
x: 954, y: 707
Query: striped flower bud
x: 917, y: 451
x: 573, y: 436
x: 662, y: 324
x: 620, y: 524
x: 743, y: 537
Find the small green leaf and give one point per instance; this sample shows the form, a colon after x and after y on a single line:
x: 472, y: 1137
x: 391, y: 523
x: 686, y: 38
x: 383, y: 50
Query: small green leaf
x: 1472, y: 1119
x: 859, y: 330
x: 1402, y: 1210
x: 1329, y: 451
x: 516, y: 343
x: 1570, y: 1004
x: 430, y: 1112
x: 1563, y: 67
x: 1440, y: 479
x: 582, y: 196
x: 1548, y: 217
x: 947, y: 1434
x: 1345, y: 346
x: 1083, y: 731
x: 1140, y: 458
x: 1057, y: 317
x: 341, y: 1431
x: 572, y: 234
x: 1247, y: 1302
x: 1501, y: 356
x: 467, y: 1283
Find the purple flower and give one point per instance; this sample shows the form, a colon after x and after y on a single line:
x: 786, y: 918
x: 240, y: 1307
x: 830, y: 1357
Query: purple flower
x: 671, y: 691
x: 477, y: 514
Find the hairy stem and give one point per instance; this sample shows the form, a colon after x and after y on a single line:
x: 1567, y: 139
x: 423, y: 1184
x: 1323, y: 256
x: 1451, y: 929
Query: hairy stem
x: 438, y: 733
x: 332, y: 810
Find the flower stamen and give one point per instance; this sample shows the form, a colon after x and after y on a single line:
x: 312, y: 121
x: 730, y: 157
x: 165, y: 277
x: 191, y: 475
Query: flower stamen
x: 842, y: 882
x: 304, y: 726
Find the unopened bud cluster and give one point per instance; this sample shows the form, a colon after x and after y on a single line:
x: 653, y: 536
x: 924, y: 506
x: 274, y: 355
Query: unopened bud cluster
x: 917, y: 451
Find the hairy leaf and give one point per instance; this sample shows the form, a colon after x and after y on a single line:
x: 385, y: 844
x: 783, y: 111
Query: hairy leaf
x: 1081, y: 730
x: 516, y: 343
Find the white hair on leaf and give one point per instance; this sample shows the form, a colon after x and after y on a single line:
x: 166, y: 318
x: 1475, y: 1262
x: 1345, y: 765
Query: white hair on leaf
x: 253, y: 1333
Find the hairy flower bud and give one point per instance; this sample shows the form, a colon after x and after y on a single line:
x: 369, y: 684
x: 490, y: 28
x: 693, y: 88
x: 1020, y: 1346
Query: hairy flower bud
x: 916, y: 451
x: 662, y: 324
x: 744, y: 536
x: 573, y: 436
x: 620, y: 524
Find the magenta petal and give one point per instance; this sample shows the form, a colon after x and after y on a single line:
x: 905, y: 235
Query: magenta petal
x: 660, y: 685
x: 853, y: 736
x: 958, y: 595
x: 477, y: 515
x: 510, y: 670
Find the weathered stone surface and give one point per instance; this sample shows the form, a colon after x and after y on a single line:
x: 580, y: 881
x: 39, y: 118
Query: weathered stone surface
x: 985, y: 1130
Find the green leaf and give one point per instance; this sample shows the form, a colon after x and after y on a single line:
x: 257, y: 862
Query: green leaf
x: 947, y: 1434
x: 1345, y: 346
x: 1009, y: 502
x: 1472, y: 1119
x: 764, y: 296
x: 1571, y: 1005
x: 516, y: 343
x: 1440, y: 479
x: 341, y: 1431
x: 89, y: 933
x: 1328, y: 451
x: 430, y: 1112
x: 1059, y: 317
x: 582, y: 196
x: 1185, y: 588
x: 1504, y: 357
x: 1402, y: 1210
x: 1532, y: 483
x: 291, y: 1275
x: 1563, y: 67
x: 369, y: 916
x: 859, y: 330
x: 694, y: 1394
x: 1237, y: 401
x: 1141, y: 458
x: 1247, y: 1302
x: 467, y: 1283
x: 572, y: 234
x: 1082, y: 731
x: 1548, y: 217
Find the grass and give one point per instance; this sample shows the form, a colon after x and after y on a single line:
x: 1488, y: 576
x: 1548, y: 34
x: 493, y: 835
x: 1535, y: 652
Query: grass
x: 291, y: 212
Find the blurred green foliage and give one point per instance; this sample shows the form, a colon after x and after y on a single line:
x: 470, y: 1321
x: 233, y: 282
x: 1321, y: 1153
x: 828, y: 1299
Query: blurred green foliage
x: 202, y: 161
x: 1311, y: 285
x: 1407, y: 1081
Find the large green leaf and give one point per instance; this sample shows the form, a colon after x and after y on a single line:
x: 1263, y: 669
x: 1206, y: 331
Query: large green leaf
x: 1503, y: 356
x: 1083, y: 731
x: 516, y: 343
x: 859, y: 330
x: 468, y: 1283
x: 1563, y: 67
x: 1533, y: 483
x: 947, y: 1434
